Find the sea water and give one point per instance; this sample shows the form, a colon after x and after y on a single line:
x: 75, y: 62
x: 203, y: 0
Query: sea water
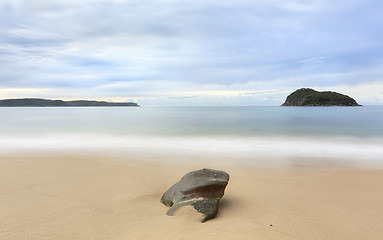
x: 348, y: 135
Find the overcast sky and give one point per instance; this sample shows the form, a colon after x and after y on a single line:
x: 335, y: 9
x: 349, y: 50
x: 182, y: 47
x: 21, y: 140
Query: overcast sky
x: 197, y: 52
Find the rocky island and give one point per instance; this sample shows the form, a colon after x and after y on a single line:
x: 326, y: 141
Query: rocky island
x: 38, y: 102
x: 310, y: 97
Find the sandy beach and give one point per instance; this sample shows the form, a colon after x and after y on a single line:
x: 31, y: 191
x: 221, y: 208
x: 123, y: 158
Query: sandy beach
x: 56, y: 196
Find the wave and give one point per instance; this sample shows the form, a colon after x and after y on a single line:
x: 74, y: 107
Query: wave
x: 250, y: 150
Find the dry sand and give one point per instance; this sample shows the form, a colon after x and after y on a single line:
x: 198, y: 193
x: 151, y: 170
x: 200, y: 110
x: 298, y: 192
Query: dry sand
x: 86, y: 197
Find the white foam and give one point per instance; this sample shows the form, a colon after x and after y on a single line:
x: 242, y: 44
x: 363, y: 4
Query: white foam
x: 251, y: 150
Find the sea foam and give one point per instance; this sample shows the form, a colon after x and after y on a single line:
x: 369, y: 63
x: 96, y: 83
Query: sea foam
x: 269, y: 151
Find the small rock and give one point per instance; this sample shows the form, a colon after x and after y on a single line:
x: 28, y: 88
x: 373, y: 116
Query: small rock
x: 201, y: 189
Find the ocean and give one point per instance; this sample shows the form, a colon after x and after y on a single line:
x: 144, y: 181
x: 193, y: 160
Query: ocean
x: 351, y: 136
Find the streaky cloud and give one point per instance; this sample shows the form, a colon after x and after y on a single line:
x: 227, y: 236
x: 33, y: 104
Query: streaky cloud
x: 168, y: 49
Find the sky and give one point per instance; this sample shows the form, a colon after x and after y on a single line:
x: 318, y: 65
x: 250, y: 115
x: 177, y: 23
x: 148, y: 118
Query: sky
x: 200, y: 52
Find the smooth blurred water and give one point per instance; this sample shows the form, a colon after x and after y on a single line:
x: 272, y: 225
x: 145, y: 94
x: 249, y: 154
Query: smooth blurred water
x: 361, y: 122
x: 346, y: 132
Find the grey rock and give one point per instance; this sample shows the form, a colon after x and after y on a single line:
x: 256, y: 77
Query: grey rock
x: 201, y: 189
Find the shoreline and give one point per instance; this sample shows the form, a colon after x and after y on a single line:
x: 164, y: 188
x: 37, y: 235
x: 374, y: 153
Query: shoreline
x: 263, y: 152
x: 72, y: 196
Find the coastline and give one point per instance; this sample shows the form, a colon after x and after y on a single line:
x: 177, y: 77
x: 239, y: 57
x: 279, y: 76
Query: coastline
x: 261, y: 152
x: 81, y: 196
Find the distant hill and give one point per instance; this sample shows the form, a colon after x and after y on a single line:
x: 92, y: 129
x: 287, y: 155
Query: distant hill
x: 38, y: 102
x: 310, y: 97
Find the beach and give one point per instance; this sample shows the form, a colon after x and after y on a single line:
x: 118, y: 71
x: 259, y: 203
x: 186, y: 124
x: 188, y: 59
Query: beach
x: 99, y: 173
x: 105, y: 105
x: 83, y: 196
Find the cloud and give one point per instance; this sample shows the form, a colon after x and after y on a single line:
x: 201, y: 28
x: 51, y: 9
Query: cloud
x: 312, y: 60
x: 168, y: 48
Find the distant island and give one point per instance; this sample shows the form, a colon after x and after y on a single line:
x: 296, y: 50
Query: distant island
x: 38, y: 102
x: 310, y: 97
